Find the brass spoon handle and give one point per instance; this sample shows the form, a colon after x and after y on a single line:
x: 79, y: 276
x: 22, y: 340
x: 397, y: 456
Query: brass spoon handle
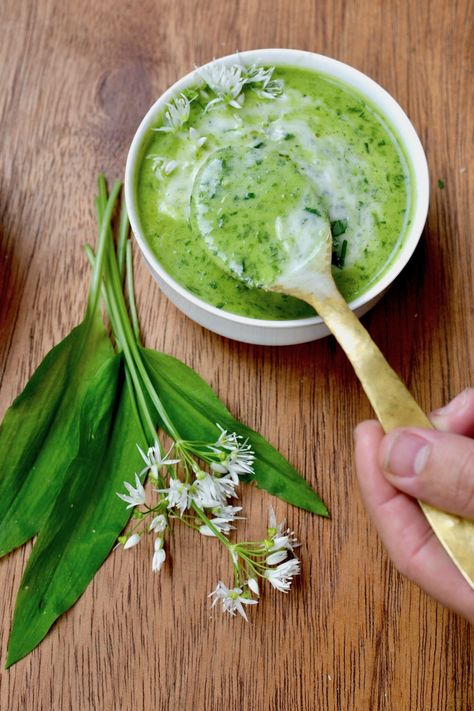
x: 395, y: 407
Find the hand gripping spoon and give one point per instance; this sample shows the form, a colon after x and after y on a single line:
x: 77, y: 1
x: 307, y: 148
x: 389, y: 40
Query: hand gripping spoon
x: 262, y: 220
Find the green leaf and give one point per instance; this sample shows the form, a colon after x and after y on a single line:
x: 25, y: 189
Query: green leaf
x: 313, y: 211
x: 87, y: 516
x: 193, y: 407
x: 39, y: 435
x: 338, y: 227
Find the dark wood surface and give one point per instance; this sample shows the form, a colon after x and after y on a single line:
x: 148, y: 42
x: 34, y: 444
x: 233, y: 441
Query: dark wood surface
x: 352, y: 635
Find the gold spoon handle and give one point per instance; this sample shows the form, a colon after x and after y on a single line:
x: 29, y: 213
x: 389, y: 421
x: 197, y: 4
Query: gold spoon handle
x: 395, y: 407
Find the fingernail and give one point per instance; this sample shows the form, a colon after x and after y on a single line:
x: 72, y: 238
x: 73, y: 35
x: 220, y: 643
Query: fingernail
x: 407, y: 455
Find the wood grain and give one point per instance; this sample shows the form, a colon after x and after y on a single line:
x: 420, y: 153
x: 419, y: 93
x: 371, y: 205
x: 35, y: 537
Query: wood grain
x: 353, y: 635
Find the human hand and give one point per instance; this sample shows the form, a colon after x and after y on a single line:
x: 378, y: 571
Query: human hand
x: 436, y: 466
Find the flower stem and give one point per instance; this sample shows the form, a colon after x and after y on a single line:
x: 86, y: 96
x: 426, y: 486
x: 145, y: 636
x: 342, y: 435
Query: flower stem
x: 131, y: 292
x: 91, y: 258
x: 134, y: 354
x: 122, y: 240
x: 120, y: 320
x: 104, y: 293
x: 211, y: 526
x: 101, y: 249
x: 116, y: 318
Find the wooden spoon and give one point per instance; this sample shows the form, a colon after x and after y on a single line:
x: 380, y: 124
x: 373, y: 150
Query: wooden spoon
x: 263, y: 221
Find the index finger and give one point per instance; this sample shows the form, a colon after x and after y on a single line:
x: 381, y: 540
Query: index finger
x: 457, y: 416
x: 406, y: 534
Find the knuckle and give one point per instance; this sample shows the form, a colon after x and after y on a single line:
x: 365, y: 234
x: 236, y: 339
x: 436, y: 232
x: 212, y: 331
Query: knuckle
x: 406, y: 565
x: 402, y: 564
x: 408, y: 559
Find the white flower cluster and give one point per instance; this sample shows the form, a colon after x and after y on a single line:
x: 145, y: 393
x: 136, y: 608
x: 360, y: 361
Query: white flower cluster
x: 268, y: 560
x: 228, y: 83
x: 262, y: 83
x: 176, y: 114
x: 199, y: 492
x: 231, y: 599
x: 225, y: 82
x: 202, y: 500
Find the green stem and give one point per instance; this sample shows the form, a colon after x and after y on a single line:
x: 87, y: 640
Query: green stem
x: 133, y: 400
x: 101, y: 202
x: 210, y: 525
x: 91, y: 258
x: 134, y: 353
x: 102, y: 249
x: 122, y: 239
x: 116, y: 318
x: 131, y: 292
x: 253, y: 563
x: 120, y: 317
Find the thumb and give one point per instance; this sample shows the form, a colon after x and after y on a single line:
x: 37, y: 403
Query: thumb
x: 435, y: 467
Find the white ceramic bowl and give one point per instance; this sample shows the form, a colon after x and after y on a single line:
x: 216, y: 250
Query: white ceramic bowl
x: 261, y: 331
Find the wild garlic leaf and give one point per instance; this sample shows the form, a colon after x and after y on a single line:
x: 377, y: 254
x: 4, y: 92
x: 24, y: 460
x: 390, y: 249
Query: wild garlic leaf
x: 39, y: 435
x: 193, y: 407
x: 87, y: 516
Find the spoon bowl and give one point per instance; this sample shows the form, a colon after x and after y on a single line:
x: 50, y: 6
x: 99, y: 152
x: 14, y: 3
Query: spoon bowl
x: 236, y: 208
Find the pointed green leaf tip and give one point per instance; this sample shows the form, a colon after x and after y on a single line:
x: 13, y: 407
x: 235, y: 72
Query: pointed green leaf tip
x: 70, y: 548
x: 193, y: 407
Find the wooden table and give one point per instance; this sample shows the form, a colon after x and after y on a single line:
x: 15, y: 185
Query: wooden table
x: 352, y: 635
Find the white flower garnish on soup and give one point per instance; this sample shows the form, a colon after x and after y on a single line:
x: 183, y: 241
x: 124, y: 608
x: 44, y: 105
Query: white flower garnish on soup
x: 176, y: 115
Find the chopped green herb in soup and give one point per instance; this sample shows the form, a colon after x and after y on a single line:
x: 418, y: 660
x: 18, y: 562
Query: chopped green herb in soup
x: 312, y: 135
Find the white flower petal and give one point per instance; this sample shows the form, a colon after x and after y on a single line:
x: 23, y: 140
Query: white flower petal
x: 231, y: 599
x: 178, y: 495
x: 272, y: 522
x: 159, y: 524
x: 213, y: 492
x: 170, y: 166
x: 240, y: 609
x: 132, y: 541
x: 253, y: 586
x: 154, y: 458
x: 195, y: 136
x: 159, y: 557
x: 220, y: 468
x: 136, y: 494
x: 206, y: 531
x: 281, y: 577
x: 276, y: 557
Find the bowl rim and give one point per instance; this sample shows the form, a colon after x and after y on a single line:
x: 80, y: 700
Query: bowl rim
x: 404, y: 130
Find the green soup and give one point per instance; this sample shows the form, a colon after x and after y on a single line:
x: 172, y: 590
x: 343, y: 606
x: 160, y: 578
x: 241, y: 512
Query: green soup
x: 335, y: 139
